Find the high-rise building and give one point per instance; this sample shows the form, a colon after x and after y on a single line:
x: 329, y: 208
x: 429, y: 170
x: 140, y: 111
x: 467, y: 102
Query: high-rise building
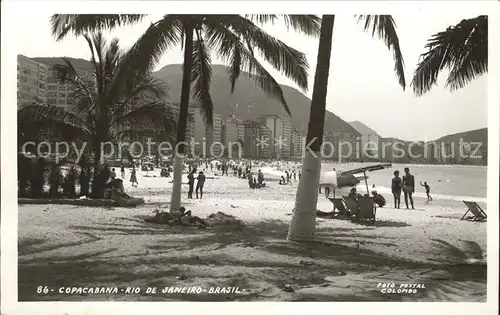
x: 287, y: 134
x: 174, y: 111
x: 348, y: 147
x: 206, y: 137
x: 297, y: 144
x: 31, y: 81
x: 256, y: 140
x: 232, y: 135
x: 39, y: 81
x: 213, y: 136
x: 59, y: 94
x: 280, y: 129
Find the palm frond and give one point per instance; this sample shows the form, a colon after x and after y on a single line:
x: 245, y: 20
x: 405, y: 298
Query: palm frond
x: 78, y: 24
x: 385, y: 28
x: 282, y: 57
x: 150, y: 47
x: 150, y: 116
x: 307, y: 24
x: 228, y: 44
x: 462, y: 48
x: 201, y: 75
x: 52, y: 118
x: 261, y: 18
x: 140, y: 60
x: 147, y: 89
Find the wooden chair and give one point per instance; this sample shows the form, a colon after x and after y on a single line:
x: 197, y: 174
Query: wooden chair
x: 477, y: 213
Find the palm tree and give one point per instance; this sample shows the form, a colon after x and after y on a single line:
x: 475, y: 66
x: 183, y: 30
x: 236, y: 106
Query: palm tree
x: 111, y: 103
x: 234, y: 38
x: 303, y: 221
x: 463, y: 49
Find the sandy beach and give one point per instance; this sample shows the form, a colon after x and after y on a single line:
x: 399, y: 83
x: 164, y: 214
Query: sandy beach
x: 71, y: 246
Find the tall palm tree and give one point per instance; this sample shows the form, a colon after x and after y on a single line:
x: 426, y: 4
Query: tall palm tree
x: 234, y: 38
x: 303, y: 221
x: 463, y: 49
x: 111, y: 103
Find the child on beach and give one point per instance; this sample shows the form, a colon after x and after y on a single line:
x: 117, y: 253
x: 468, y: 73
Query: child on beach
x: 396, y: 188
x: 408, y: 187
x: 199, y: 185
x: 427, y: 190
x: 133, y: 178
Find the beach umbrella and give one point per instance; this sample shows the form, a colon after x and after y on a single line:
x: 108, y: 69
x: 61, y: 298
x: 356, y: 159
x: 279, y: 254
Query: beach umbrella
x: 370, y: 168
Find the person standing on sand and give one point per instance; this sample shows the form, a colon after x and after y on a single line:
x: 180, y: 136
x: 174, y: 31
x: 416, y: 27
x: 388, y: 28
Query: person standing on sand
x: 408, y: 187
x: 122, y: 171
x: 396, y: 188
x: 199, y: 185
x: 133, y: 177
x: 427, y: 190
x: 191, y: 184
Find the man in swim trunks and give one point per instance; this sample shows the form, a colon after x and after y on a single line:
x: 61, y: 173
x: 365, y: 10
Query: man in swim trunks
x: 408, y: 187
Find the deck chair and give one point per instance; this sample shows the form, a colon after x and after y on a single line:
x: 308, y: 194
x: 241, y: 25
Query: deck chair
x: 367, y: 209
x: 477, y: 213
x: 352, y: 205
x: 339, y: 208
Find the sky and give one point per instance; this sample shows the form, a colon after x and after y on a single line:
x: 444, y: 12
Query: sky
x: 362, y: 84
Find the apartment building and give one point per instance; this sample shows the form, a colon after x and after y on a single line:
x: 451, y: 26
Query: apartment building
x: 254, y: 147
x: 31, y: 81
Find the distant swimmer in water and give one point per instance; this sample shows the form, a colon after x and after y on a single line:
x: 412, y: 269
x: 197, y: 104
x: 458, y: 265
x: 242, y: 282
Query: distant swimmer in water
x: 427, y: 190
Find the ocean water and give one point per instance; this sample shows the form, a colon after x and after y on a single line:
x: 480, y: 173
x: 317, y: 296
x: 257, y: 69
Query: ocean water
x: 447, y: 182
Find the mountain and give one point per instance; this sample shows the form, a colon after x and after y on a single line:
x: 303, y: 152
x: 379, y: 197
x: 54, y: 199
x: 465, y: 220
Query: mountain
x: 478, y: 135
x: 80, y: 64
x: 363, y: 129
x: 249, y: 102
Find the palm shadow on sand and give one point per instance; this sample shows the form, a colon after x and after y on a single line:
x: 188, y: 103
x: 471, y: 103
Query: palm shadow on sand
x: 243, y: 256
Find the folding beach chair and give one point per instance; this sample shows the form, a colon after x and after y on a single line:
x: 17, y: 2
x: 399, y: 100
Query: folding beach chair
x: 352, y: 205
x: 367, y: 209
x: 477, y: 213
x: 339, y: 208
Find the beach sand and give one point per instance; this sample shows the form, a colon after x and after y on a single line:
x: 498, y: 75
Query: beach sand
x: 70, y: 246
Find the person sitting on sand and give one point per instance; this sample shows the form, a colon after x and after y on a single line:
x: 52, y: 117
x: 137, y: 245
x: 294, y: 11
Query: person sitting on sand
x: 353, y: 194
x: 199, y: 185
x: 378, y: 199
x: 250, y: 181
x: 187, y: 219
x: 282, y: 181
x: 260, y: 178
x: 427, y: 190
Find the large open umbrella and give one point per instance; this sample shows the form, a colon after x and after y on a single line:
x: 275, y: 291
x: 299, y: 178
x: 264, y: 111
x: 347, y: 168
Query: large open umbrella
x: 365, y: 169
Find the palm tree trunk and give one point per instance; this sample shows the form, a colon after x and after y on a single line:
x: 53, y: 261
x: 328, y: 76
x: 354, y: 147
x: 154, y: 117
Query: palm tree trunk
x: 175, y: 201
x: 97, y: 186
x: 304, y: 214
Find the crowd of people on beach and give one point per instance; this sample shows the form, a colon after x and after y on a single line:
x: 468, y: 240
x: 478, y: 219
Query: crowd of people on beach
x: 243, y: 169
